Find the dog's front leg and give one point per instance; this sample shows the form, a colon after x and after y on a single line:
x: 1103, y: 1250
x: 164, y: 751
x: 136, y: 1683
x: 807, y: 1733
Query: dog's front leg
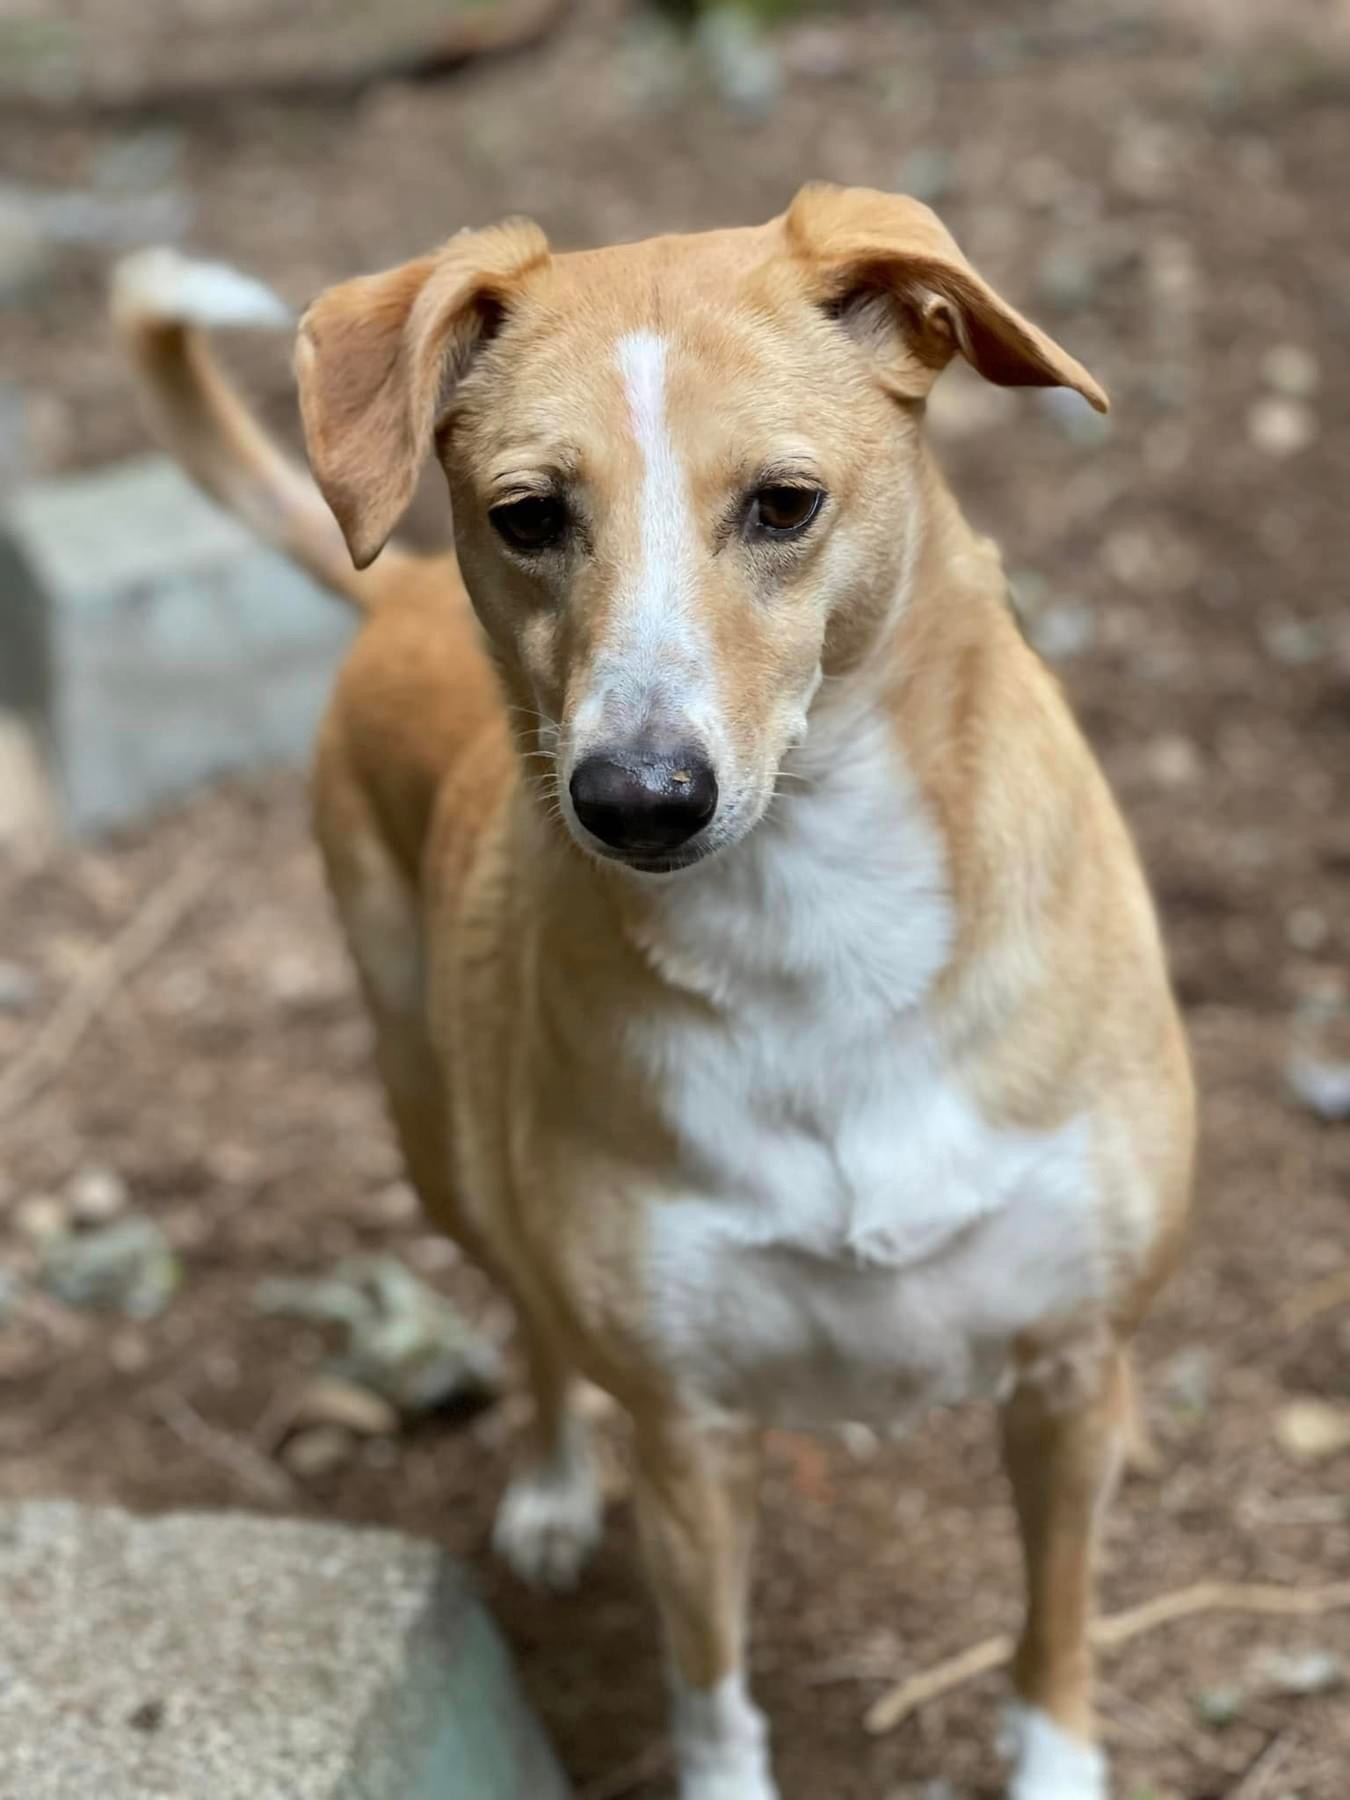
x: 697, y: 1490
x: 552, y: 1512
x: 1063, y: 1450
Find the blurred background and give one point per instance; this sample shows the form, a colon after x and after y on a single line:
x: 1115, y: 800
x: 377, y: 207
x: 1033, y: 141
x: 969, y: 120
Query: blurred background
x: 192, y: 1150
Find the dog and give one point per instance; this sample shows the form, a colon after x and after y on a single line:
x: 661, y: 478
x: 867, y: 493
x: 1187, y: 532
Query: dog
x: 764, y: 983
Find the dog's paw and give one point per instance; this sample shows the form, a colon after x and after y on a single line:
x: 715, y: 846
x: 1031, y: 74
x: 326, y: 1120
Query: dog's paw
x: 721, y: 1744
x: 748, y: 1783
x: 1049, y: 1764
x: 549, y: 1521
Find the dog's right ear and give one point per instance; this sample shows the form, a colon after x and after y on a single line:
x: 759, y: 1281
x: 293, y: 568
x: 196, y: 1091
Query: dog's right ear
x: 376, y: 360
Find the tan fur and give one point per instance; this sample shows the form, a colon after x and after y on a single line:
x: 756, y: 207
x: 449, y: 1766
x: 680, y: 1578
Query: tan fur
x: 482, y: 929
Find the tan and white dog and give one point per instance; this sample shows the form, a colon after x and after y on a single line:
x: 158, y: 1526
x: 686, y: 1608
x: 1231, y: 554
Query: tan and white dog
x: 765, y: 986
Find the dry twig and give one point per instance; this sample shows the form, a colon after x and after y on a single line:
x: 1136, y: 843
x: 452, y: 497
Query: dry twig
x: 1258, y: 1777
x: 1206, y: 1596
x: 253, y: 1471
x: 58, y: 1037
x: 1311, y: 1302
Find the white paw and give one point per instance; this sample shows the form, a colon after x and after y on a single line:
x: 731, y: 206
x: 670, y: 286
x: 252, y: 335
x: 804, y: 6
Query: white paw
x: 721, y: 1744
x: 549, y: 1521
x: 1049, y: 1764
x: 752, y: 1782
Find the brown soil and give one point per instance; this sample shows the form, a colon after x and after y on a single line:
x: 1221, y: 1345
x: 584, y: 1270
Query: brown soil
x: 1176, y: 200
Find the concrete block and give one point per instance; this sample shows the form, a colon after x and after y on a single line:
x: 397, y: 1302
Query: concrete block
x: 224, y: 1657
x: 148, y: 642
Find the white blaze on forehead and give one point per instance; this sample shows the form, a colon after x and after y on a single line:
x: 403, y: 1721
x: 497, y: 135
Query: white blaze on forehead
x: 653, y: 653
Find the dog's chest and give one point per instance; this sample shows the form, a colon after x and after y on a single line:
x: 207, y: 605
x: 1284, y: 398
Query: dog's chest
x: 864, y: 1247
x: 848, y: 1237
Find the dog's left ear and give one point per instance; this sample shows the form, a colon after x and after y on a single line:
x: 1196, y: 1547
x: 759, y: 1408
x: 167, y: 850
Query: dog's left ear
x: 889, y: 269
x: 378, y: 358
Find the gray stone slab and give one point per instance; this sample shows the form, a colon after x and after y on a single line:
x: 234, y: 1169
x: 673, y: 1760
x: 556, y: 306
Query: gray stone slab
x: 151, y: 643
x: 225, y: 1657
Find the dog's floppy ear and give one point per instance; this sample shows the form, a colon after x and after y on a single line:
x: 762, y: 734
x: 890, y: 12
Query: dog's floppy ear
x: 377, y: 358
x: 891, y: 271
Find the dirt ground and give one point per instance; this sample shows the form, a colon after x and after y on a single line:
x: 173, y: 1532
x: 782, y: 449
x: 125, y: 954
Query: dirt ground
x: 1166, y: 191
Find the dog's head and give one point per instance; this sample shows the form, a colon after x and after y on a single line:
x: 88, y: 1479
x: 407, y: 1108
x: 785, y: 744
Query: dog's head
x: 684, y: 476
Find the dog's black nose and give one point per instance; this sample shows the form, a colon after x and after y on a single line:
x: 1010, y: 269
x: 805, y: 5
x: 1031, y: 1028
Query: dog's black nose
x: 644, y: 798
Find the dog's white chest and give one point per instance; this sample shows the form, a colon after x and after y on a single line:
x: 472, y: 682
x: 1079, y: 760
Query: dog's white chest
x: 848, y: 1237
x: 872, y: 1265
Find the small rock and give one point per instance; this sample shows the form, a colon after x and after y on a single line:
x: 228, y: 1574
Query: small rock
x: 395, y: 1204
x: 40, y: 1216
x: 403, y: 1339
x: 1324, y: 1088
x: 861, y: 1442
x: 1174, y: 761
x: 1291, y: 370
x: 328, y: 1400
x: 1063, y: 629
x: 96, y: 1196
x: 1295, y: 642
x: 1218, y: 1707
x: 434, y: 1253
x: 124, y: 1267
x: 1281, y: 426
x: 18, y: 988
x: 1189, y: 1381
x: 1306, y: 1672
x: 1311, y: 1430
x: 741, y: 60
x: 299, y: 979
x: 319, y: 1451
x: 1318, y: 1065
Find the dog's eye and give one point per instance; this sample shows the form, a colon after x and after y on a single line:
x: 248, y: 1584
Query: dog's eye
x: 784, y: 511
x: 536, y: 523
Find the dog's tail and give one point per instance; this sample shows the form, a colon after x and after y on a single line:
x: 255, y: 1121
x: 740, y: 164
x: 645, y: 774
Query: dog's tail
x: 162, y: 306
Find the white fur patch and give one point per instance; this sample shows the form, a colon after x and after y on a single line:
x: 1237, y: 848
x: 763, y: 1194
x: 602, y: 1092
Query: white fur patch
x: 846, y: 1237
x: 162, y: 284
x: 1048, y: 1764
x: 551, y: 1517
x: 721, y: 1744
x: 655, y: 658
